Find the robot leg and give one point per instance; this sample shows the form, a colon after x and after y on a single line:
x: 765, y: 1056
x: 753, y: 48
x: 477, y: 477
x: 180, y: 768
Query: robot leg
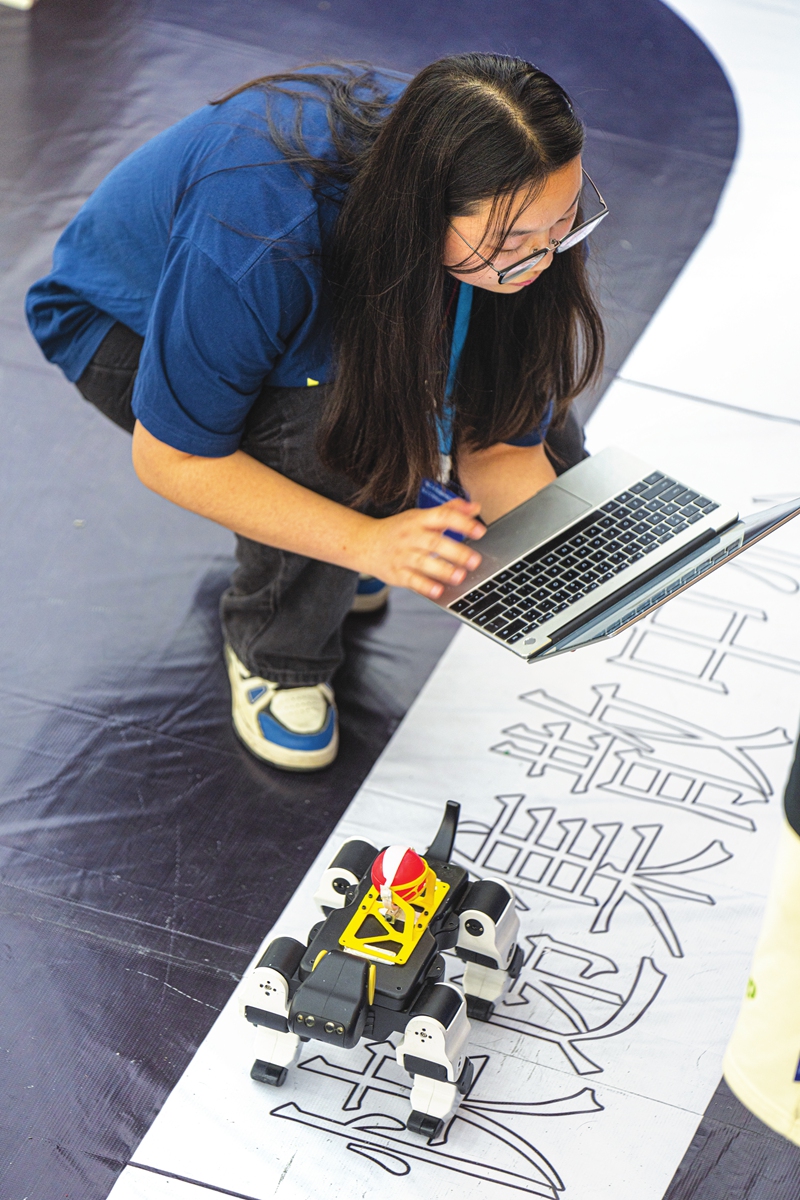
x: 487, y: 943
x: 264, y: 1002
x: 432, y: 1051
x: 349, y: 866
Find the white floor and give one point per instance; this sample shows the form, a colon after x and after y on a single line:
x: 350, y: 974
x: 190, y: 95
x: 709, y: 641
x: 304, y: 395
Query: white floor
x: 727, y: 331
x: 631, y: 792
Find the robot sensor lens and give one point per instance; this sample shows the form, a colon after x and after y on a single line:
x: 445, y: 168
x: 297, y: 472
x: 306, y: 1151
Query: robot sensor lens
x: 340, y: 885
x: 300, y: 1018
x: 340, y: 1030
x: 473, y: 927
x: 310, y: 1021
x: 329, y: 1027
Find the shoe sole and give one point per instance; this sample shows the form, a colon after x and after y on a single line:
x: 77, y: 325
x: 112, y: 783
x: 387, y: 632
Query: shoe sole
x: 370, y: 602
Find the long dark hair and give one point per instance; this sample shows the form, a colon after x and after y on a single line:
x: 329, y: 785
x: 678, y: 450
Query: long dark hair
x: 468, y: 128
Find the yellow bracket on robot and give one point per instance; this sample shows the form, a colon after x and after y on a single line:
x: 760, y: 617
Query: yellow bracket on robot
x: 399, y: 935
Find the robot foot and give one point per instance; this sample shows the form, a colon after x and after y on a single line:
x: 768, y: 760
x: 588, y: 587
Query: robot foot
x: 464, y: 1081
x: 479, y: 1010
x: 428, y: 1126
x: 270, y: 1073
x: 441, y: 1100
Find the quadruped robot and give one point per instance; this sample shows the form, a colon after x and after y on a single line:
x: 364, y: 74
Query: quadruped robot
x: 373, y: 966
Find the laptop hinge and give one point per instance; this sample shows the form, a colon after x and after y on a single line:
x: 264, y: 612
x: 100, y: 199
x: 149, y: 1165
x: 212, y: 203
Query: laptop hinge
x: 632, y: 585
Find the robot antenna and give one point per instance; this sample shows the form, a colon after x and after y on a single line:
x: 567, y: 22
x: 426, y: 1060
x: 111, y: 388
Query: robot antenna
x: 441, y: 848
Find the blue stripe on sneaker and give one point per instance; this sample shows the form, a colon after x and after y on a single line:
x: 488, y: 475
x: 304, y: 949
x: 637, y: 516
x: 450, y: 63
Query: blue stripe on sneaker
x: 368, y: 587
x: 279, y: 735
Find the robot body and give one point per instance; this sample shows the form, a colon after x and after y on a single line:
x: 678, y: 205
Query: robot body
x: 374, y: 967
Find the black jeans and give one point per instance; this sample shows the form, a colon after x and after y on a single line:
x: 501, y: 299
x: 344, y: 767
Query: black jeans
x: 283, y: 613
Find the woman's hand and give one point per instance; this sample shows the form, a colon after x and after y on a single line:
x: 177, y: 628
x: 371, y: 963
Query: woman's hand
x: 411, y: 550
x: 408, y: 550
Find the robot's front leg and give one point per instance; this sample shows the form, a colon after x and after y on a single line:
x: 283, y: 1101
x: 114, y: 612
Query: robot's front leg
x: 264, y: 1002
x: 432, y: 1051
x: 349, y: 866
x: 487, y: 943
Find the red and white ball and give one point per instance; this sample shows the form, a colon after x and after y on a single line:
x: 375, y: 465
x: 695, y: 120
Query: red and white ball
x: 399, y: 871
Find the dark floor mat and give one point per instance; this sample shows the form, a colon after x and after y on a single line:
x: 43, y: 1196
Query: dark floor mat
x: 144, y: 852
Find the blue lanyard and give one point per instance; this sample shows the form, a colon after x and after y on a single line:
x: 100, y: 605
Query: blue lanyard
x: 463, y: 309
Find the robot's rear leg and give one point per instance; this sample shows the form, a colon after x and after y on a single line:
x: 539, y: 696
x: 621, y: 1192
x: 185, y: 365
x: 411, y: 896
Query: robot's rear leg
x: 485, y: 986
x: 487, y: 944
x: 432, y: 1051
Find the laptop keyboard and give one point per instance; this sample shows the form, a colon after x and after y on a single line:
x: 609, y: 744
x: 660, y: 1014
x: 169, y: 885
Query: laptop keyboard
x: 533, y: 590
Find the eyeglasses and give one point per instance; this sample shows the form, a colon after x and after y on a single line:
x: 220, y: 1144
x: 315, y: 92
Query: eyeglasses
x: 557, y: 246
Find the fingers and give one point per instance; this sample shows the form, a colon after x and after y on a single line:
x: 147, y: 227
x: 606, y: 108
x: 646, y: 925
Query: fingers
x: 451, y: 551
x: 458, y: 515
x: 423, y: 585
x: 414, y: 552
x: 448, y: 560
x: 448, y: 518
x: 433, y: 568
x: 436, y: 568
x: 429, y: 570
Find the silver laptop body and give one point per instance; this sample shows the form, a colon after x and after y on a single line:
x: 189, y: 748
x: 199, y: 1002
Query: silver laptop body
x: 598, y: 548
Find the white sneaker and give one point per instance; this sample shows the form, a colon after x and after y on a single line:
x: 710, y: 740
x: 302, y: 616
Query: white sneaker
x: 371, y: 594
x: 295, y: 728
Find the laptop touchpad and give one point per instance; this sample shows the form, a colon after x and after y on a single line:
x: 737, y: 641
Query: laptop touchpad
x: 545, y: 514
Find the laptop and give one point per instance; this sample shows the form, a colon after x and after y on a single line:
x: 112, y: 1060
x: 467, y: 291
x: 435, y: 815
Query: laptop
x: 599, y: 548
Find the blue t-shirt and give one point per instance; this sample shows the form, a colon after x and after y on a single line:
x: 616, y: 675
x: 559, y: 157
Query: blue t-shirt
x: 207, y: 244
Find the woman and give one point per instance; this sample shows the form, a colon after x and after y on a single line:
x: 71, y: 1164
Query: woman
x: 274, y: 296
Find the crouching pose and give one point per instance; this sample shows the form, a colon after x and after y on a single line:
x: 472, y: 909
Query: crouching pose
x: 373, y: 967
x: 310, y: 297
